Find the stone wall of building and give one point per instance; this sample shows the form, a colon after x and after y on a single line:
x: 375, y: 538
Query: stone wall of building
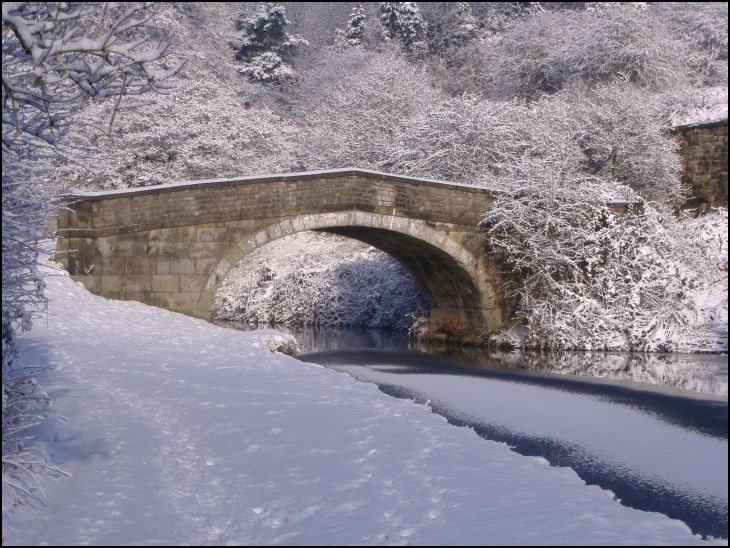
x: 704, y: 154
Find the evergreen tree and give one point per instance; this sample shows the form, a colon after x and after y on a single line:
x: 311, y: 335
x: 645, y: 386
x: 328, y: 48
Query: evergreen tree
x: 403, y: 21
x: 356, y: 27
x: 467, y: 25
x: 265, y: 45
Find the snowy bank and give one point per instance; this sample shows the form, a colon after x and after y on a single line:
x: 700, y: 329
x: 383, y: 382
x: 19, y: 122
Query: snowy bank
x: 180, y: 432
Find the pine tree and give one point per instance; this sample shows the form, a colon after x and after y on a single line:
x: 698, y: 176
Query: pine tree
x: 467, y: 25
x: 403, y: 21
x: 265, y: 45
x: 355, y: 27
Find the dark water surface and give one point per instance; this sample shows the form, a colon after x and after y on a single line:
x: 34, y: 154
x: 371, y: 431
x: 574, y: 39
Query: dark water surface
x: 650, y: 428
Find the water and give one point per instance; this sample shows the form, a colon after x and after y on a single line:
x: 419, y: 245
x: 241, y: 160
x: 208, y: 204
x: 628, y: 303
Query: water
x: 650, y: 428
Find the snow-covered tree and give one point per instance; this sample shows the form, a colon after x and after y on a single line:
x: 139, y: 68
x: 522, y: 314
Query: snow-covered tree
x: 356, y: 27
x: 264, y: 45
x: 57, y: 57
x: 467, y: 26
x: 353, y: 37
x: 623, y: 136
x: 465, y: 139
x: 403, y: 21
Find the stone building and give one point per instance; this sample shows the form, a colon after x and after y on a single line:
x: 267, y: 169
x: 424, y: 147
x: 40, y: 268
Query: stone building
x: 704, y: 155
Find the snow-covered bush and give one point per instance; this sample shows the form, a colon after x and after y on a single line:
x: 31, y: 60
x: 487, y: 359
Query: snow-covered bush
x: 267, y: 67
x: 615, y: 132
x: 358, y: 104
x: 336, y: 282
x: 588, y: 278
x: 463, y: 139
x: 623, y: 135
x: 703, y: 26
x: 264, y: 42
x: 623, y: 43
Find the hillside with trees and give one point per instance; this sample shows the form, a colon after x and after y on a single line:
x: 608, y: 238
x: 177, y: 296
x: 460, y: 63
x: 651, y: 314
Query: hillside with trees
x: 562, y: 107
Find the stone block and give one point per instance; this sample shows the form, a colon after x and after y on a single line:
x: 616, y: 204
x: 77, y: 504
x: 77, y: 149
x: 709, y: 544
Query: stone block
x: 111, y: 283
x: 194, y: 282
x: 139, y: 265
x: 183, y: 234
x: 109, y: 266
x: 159, y: 299
x: 184, y: 301
x: 136, y: 283
x: 91, y: 283
x: 165, y: 283
x: 182, y: 266
x: 204, y: 266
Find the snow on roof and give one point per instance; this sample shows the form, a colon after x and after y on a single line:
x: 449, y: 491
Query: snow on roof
x: 709, y: 107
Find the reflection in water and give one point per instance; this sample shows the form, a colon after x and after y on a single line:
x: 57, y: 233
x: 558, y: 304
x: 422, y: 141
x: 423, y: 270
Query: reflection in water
x: 707, y: 373
x: 698, y: 372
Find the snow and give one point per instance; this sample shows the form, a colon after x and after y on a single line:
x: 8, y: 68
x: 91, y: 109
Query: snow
x: 176, y: 431
x: 703, y: 107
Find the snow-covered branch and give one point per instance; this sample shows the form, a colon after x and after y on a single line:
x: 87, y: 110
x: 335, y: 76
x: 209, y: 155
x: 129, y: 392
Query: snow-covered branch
x: 55, y: 57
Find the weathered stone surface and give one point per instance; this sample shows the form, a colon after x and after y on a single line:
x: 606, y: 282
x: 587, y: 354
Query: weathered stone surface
x: 172, y: 245
x: 704, y: 152
x: 165, y: 283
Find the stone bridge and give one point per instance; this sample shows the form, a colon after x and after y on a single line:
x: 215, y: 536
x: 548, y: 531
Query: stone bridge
x: 172, y: 245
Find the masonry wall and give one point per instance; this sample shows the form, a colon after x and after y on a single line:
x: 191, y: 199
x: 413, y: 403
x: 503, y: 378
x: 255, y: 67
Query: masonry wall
x: 704, y: 154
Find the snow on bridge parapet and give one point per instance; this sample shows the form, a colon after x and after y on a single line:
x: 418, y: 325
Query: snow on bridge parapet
x: 296, y: 176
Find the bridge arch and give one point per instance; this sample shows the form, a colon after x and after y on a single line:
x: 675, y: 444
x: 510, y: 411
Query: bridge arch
x: 450, y: 274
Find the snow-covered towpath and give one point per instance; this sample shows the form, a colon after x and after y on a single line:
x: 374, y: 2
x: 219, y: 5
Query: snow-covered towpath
x: 181, y: 432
